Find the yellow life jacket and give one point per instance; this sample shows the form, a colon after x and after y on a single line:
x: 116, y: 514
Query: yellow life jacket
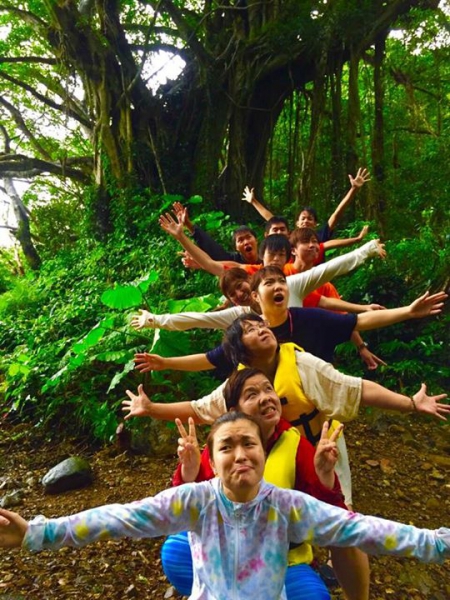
x: 280, y: 470
x: 295, y: 406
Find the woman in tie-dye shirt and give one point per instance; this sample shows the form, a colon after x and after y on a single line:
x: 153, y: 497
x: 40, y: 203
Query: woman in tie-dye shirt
x: 240, y: 526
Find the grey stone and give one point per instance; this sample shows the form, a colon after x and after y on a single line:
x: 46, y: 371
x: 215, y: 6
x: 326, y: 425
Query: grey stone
x: 11, y: 499
x: 70, y: 474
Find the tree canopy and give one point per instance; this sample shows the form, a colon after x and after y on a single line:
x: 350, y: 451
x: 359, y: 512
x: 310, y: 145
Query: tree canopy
x: 76, y: 104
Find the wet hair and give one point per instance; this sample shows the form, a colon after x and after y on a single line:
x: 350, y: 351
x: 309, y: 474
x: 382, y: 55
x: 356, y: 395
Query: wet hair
x: 242, y: 229
x: 262, y: 274
x: 233, y: 388
x: 232, y: 344
x: 302, y: 235
x: 309, y: 209
x: 230, y: 278
x: 275, y: 243
x: 273, y: 221
x: 230, y: 417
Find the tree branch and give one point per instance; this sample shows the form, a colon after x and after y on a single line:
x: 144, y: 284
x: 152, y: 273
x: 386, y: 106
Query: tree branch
x: 12, y: 165
x: 59, y: 107
x: 28, y: 59
x: 23, y: 128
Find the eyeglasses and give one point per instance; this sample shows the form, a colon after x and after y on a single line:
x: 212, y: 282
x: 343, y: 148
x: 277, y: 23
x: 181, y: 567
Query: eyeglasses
x: 255, y: 326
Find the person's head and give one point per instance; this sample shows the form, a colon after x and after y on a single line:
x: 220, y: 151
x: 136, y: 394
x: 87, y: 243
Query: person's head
x: 307, y: 217
x: 246, y: 243
x: 236, y: 450
x: 247, y: 339
x: 235, y: 285
x: 275, y: 250
x: 269, y: 289
x: 249, y: 391
x: 305, y: 245
x: 276, y: 225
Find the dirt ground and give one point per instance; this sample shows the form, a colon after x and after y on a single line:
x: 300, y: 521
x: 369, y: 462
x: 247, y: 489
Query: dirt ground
x: 401, y: 471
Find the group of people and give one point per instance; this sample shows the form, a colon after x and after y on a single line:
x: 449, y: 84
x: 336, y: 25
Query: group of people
x: 274, y: 479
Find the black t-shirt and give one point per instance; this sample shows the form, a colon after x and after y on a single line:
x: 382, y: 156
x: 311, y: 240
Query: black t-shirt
x: 315, y: 330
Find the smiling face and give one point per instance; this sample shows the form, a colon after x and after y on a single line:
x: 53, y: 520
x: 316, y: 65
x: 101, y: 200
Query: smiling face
x: 247, y: 245
x: 238, y: 459
x: 240, y: 293
x: 259, y: 399
x: 306, y: 219
x: 306, y: 253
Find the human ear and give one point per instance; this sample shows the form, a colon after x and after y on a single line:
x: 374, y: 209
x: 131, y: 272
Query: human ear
x: 255, y: 297
x: 211, y: 464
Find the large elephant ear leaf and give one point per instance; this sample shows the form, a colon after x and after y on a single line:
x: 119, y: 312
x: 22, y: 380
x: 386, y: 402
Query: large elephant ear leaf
x: 145, y: 283
x: 122, y: 296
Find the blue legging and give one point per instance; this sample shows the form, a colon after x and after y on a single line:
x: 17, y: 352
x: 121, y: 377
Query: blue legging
x: 302, y: 582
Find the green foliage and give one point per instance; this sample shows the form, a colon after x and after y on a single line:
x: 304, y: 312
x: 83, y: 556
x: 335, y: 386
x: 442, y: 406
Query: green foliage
x: 66, y: 344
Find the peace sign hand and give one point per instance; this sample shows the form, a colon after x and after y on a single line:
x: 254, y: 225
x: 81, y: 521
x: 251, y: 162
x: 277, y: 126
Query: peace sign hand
x: 326, y: 455
x: 188, y: 451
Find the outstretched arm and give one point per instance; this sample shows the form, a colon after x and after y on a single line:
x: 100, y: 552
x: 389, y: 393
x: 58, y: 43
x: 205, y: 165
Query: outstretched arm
x: 342, y: 305
x: 374, y: 394
x: 344, y: 242
x: 249, y: 196
x: 362, y: 176
x: 153, y: 362
x: 140, y: 405
x: 12, y: 529
x: 424, y: 306
x: 188, y: 320
x: 302, y: 284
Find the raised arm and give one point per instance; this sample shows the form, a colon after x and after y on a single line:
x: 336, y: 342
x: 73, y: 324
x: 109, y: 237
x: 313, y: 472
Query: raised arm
x: 424, y: 306
x: 188, y: 451
x: 356, y: 183
x: 249, y: 196
x: 175, y: 229
x: 371, y: 360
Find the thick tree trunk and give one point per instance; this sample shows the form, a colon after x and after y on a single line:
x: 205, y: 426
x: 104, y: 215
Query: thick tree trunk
x: 378, y: 201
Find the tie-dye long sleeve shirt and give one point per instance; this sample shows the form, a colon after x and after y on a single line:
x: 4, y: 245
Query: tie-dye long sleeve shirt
x: 239, y: 551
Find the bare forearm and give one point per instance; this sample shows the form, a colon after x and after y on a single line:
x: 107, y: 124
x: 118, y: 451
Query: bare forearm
x: 193, y: 362
x: 342, y: 305
x: 203, y: 259
x: 341, y: 242
x: 382, y: 318
x: 263, y: 211
x: 170, y: 412
x: 335, y: 217
x: 376, y: 395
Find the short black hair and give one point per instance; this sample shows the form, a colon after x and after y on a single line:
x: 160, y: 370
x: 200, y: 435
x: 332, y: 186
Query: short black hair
x: 242, y: 229
x: 273, y: 220
x: 275, y: 243
x: 309, y: 209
